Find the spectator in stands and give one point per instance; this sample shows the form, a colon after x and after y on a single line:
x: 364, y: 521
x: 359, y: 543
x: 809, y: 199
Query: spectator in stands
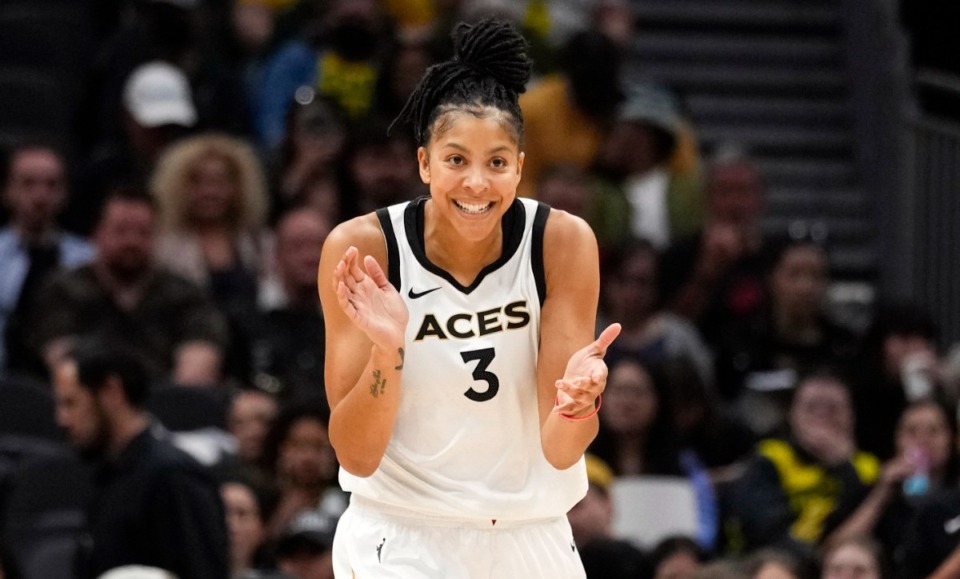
x: 677, y: 557
x: 213, y: 202
x: 615, y: 19
x: 721, y: 569
x: 796, y: 490
x: 298, y: 452
x: 718, y: 436
x: 406, y: 63
x: 566, y: 187
x: 899, y: 362
x: 375, y: 172
x: 187, y: 36
x: 855, y: 557
x: 124, y: 296
x: 307, y: 165
x: 249, y: 418
x: 717, y: 275
x: 341, y: 59
x: 762, y: 356
x: 654, y: 199
x: 773, y: 563
x: 932, y: 539
x: 246, y: 525
x: 305, y: 550
x: 926, y: 462
x: 289, y: 344
x: 157, y: 108
x: 249, y: 31
x: 603, y: 555
x: 630, y: 296
x: 137, y: 572
x: 32, y: 246
x: 638, y: 437
x: 566, y: 115
x: 155, y: 505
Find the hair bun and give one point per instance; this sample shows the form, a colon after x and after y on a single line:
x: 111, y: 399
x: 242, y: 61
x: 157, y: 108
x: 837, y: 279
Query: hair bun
x: 494, y: 48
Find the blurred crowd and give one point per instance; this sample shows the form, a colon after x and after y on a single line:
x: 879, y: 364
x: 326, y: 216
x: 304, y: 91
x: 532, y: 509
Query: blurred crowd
x: 219, y: 141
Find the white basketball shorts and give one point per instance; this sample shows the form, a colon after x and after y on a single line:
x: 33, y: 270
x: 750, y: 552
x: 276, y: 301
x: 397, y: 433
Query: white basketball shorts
x: 373, y: 542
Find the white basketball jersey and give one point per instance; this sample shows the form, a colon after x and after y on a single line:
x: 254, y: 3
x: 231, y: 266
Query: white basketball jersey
x: 466, y: 443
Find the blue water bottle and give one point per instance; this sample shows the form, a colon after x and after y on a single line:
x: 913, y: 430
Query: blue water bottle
x: 918, y: 483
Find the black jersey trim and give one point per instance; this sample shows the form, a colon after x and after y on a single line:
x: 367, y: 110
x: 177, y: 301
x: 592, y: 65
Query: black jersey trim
x: 393, y: 249
x: 536, y: 250
x: 512, y: 225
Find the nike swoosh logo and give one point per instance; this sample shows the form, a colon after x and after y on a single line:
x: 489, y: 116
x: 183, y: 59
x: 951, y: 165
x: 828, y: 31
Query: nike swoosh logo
x: 952, y: 525
x: 414, y: 295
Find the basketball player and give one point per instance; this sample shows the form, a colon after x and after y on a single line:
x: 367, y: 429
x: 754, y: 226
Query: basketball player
x: 461, y: 369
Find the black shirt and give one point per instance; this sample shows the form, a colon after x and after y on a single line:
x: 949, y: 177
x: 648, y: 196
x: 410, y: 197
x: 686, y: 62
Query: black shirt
x: 931, y: 536
x: 156, y: 506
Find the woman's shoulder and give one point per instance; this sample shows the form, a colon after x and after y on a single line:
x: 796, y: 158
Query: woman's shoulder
x: 362, y: 232
x: 563, y: 227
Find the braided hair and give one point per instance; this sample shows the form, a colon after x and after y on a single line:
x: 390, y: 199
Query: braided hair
x: 490, y: 68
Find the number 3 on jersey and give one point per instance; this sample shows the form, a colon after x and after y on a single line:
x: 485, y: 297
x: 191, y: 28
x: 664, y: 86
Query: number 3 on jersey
x: 483, y: 358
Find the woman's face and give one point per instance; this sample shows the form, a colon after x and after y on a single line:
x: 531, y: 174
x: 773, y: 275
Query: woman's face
x: 251, y: 414
x: 924, y: 426
x: 632, y: 290
x: 850, y: 562
x: 679, y: 565
x: 631, y: 401
x: 306, y: 456
x: 472, y: 165
x: 244, y: 522
x: 821, y: 405
x: 213, y: 190
x: 800, y: 280
x: 773, y: 570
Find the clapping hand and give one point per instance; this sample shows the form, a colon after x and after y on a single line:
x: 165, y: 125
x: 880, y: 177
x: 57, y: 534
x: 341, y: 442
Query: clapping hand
x: 369, y: 300
x: 585, y: 376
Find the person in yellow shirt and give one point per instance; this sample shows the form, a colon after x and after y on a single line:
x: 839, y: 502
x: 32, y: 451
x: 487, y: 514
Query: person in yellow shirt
x: 566, y: 115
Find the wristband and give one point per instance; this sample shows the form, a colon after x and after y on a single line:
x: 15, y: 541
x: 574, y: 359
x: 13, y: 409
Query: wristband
x: 579, y: 418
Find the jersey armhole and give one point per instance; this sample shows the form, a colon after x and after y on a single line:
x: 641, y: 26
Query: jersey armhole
x: 393, y: 250
x: 536, y: 253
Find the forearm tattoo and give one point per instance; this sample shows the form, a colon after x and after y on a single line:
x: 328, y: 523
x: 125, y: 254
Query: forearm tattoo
x: 379, y: 384
x: 400, y: 367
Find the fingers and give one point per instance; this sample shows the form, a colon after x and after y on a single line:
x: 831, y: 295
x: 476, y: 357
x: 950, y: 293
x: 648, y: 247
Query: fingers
x: 353, y: 264
x: 375, y: 271
x: 343, y: 266
x: 348, y: 269
x: 607, y: 336
x: 343, y: 298
x: 575, y: 395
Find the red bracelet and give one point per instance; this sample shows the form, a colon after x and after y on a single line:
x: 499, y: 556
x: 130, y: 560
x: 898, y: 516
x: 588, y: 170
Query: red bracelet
x: 579, y: 418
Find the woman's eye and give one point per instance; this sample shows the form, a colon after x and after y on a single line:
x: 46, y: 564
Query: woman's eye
x: 456, y: 160
x: 498, y: 163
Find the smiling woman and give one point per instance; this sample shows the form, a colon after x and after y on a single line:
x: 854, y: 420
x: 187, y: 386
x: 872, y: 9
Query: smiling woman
x: 462, y: 373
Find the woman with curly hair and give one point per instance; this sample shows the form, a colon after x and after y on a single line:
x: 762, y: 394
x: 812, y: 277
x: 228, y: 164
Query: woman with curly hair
x: 213, y: 201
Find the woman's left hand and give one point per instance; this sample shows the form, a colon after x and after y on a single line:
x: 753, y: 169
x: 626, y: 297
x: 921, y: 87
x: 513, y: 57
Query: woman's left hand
x: 585, y: 376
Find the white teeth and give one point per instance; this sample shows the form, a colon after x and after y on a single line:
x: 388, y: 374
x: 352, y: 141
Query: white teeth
x: 473, y: 208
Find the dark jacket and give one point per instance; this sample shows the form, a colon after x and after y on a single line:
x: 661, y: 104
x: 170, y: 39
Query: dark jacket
x: 156, y: 506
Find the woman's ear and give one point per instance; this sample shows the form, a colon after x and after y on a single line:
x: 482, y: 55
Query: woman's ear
x: 423, y: 160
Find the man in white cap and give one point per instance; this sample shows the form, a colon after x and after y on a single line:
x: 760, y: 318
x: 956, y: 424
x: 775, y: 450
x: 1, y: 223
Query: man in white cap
x: 157, y: 102
x: 137, y: 572
x: 157, y: 108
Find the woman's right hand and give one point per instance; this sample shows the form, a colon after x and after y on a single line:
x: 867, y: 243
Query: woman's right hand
x: 370, y: 301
